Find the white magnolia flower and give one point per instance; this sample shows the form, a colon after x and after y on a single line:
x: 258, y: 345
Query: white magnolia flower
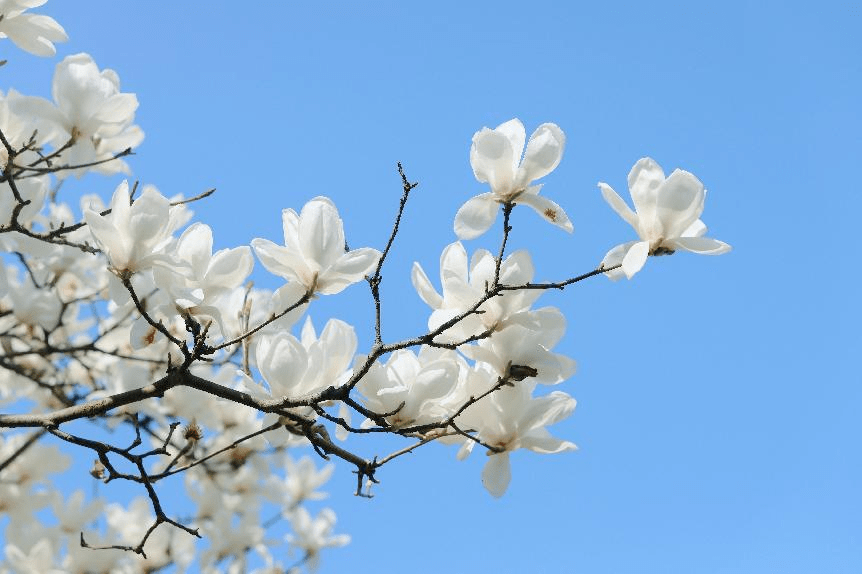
x: 89, y: 109
x: 465, y: 284
x: 313, y: 253
x: 34, y: 33
x: 204, y: 276
x: 296, y: 367
x: 496, y: 159
x: 132, y: 236
x: 311, y: 535
x: 527, y: 347
x: 410, y: 386
x: 301, y: 480
x: 665, y: 217
x: 510, y: 419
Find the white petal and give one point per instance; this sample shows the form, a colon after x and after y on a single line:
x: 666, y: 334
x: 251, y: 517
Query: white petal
x: 492, y: 158
x: 615, y: 257
x: 280, y: 260
x: 701, y: 245
x: 424, y: 287
x: 321, y: 233
x: 351, y: 267
x: 645, y: 179
x: 619, y: 205
x: 635, y: 258
x: 453, y: 265
x: 546, y: 208
x: 112, y: 242
x: 228, y: 268
x: 543, y: 442
x: 544, y: 152
x: 195, y: 246
x: 476, y: 216
x: 497, y: 474
x: 517, y: 135
x: 679, y: 203
x: 696, y: 229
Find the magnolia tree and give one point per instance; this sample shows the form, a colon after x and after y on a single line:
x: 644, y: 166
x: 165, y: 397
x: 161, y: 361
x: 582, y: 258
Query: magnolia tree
x: 120, y: 316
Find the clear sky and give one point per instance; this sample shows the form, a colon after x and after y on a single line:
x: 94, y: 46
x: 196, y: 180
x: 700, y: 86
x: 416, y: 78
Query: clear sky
x: 719, y: 398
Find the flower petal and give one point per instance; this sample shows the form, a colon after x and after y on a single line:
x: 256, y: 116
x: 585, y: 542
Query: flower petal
x: 351, y: 267
x: 701, y: 245
x: 679, y: 203
x: 543, y: 155
x: 492, y: 158
x: 497, y: 474
x: 280, y: 260
x: 645, y: 178
x: 424, y: 287
x: 619, y: 205
x: 635, y: 258
x: 321, y: 232
x: 547, y: 209
x: 476, y: 216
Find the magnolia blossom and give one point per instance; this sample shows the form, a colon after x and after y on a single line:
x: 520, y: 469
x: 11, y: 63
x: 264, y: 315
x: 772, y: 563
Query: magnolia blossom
x: 410, y: 386
x: 133, y: 235
x: 34, y: 33
x: 464, y: 284
x: 510, y: 419
x: 496, y: 159
x: 196, y: 285
x: 665, y: 217
x: 91, y: 110
x: 311, y: 535
x: 526, y: 347
x: 313, y: 253
x: 296, y: 367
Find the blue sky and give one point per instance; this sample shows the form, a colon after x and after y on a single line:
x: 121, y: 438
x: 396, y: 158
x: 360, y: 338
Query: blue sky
x: 718, y: 416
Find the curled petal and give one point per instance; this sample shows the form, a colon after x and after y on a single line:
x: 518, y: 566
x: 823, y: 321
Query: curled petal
x: 701, y: 245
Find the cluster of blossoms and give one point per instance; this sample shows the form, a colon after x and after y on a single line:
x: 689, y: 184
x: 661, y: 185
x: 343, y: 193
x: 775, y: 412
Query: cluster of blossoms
x: 102, y: 309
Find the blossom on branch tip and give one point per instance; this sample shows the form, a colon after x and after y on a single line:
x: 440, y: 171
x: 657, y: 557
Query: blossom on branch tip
x: 666, y: 217
x: 203, y: 276
x: 314, y: 253
x: 496, y: 159
x: 90, y: 111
